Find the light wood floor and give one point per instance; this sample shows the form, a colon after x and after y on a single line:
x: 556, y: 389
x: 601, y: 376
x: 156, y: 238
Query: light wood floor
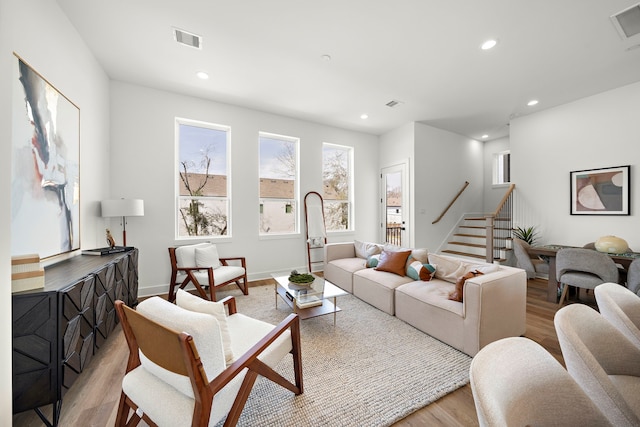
x: 93, y: 399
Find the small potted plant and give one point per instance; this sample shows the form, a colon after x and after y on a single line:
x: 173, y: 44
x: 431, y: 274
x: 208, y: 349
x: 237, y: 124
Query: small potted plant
x: 528, y: 234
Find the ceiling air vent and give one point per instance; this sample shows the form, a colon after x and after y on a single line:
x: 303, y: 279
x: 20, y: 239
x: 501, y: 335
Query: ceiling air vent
x: 627, y: 23
x: 393, y: 103
x: 188, y: 39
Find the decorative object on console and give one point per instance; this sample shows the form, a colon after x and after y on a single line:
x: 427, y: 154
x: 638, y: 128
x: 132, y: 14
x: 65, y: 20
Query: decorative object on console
x: 110, y: 241
x: 600, y: 191
x: 123, y: 208
x: 26, y: 273
x: 612, y: 245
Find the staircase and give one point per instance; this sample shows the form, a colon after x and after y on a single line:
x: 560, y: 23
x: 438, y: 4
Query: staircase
x: 470, y: 239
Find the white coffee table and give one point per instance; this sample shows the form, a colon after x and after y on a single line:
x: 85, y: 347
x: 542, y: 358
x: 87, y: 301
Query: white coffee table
x: 326, y: 291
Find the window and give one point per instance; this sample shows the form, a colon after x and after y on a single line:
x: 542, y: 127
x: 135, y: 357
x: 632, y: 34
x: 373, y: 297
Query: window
x: 203, y: 187
x: 337, y: 166
x: 278, y: 184
x: 502, y: 168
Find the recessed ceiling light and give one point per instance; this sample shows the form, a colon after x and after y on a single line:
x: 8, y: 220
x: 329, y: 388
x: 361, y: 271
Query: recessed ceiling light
x: 364, y: 116
x: 485, y: 136
x: 202, y: 75
x: 489, y: 44
x: 326, y: 57
x: 532, y: 102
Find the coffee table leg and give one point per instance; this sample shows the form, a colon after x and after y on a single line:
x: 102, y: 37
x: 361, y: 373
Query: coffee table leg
x: 334, y: 311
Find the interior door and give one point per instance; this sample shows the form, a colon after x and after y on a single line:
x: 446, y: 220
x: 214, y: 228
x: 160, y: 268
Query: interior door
x: 394, y: 202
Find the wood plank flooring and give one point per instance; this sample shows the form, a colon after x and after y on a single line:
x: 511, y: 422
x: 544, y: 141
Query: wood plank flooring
x: 93, y: 399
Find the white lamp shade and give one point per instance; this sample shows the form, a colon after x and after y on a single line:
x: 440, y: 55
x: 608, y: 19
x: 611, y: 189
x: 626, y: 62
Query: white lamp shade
x: 123, y: 207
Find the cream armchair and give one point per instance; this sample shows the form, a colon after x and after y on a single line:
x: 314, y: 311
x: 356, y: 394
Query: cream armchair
x: 205, y: 373
x: 602, y: 361
x: 621, y: 308
x: 516, y: 382
x: 201, y: 266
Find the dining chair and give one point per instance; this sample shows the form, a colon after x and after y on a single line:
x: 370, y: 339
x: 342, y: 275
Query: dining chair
x: 583, y: 268
x: 177, y: 373
x: 602, y: 361
x: 633, y: 276
x: 534, y: 266
x: 621, y: 308
x: 516, y: 382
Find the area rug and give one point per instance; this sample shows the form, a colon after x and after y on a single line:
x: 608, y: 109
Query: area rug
x: 370, y: 369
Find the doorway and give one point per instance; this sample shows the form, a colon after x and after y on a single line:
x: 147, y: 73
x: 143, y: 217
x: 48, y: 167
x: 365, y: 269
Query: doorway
x: 394, y: 202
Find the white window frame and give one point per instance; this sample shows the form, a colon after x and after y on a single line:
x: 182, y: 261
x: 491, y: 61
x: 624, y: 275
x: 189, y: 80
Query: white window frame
x: 296, y: 190
x: 350, y: 198
x: 207, y: 125
x: 498, y: 169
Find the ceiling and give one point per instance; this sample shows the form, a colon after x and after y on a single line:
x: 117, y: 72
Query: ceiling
x: 268, y: 55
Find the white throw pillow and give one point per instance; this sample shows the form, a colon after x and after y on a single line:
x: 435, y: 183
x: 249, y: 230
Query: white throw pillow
x: 448, y: 269
x: 194, y: 303
x: 483, y: 268
x: 207, y: 257
x: 366, y: 249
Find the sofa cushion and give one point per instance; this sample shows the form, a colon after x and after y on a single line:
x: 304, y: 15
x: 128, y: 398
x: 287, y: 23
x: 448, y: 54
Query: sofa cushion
x: 340, y: 271
x: 434, y: 293
x: 366, y: 249
x: 378, y: 288
x: 393, y: 262
x: 419, y: 271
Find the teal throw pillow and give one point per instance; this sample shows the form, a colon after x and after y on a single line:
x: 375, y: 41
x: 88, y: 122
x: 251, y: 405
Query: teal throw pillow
x: 419, y: 271
x: 373, y: 260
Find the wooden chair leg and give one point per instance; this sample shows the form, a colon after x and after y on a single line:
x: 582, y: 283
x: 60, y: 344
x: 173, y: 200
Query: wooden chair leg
x: 564, y: 293
x: 123, y: 413
x: 241, y: 399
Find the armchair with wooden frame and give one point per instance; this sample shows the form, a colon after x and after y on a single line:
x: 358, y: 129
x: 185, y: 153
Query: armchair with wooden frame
x: 186, y: 378
x: 201, y: 266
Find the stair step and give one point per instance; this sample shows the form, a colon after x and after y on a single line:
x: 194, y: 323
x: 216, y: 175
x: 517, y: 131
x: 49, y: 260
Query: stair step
x: 479, y: 236
x: 473, y: 245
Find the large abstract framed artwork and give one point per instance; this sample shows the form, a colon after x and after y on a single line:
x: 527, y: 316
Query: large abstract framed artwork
x: 600, y: 191
x: 45, y: 167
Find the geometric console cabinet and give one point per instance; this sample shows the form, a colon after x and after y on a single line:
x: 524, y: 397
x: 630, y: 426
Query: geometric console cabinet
x: 57, y: 330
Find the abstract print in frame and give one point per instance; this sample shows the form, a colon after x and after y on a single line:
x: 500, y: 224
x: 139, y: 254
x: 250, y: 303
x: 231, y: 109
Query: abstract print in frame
x: 45, y: 167
x: 600, y: 191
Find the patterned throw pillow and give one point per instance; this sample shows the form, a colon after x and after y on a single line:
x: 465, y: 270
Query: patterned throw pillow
x: 419, y: 271
x: 373, y: 260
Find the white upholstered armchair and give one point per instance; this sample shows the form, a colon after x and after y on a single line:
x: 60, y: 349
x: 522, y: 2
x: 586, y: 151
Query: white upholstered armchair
x: 201, y: 266
x: 192, y: 365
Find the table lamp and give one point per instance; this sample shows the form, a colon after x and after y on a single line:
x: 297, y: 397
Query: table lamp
x: 123, y: 208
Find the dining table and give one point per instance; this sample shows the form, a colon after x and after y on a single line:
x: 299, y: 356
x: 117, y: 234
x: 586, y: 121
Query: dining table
x: 549, y: 252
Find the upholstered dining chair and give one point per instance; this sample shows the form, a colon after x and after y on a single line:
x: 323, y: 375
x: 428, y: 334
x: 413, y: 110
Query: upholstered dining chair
x: 602, y: 361
x: 633, y: 276
x: 192, y: 365
x: 534, y: 266
x: 583, y: 268
x: 516, y: 382
x: 621, y: 308
x: 201, y: 266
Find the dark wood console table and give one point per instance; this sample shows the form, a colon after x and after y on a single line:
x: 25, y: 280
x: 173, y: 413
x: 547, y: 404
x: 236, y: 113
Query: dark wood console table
x: 550, y: 252
x: 56, y: 330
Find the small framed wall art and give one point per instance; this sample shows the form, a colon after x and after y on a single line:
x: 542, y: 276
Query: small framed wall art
x: 602, y: 191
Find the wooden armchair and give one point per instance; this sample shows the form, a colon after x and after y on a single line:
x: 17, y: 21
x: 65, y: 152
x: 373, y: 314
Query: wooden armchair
x: 181, y: 378
x: 200, y: 265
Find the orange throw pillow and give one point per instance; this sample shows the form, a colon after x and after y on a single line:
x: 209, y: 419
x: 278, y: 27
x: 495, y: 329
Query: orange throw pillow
x: 457, y: 294
x: 393, y: 262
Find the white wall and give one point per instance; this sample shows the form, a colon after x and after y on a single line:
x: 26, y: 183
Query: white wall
x: 397, y: 148
x: 599, y: 131
x: 40, y: 33
x: 443, y: 162
x: 143, y: 166
x: 493, y: 195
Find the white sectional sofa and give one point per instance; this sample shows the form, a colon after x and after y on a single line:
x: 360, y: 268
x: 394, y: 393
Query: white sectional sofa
x: 493, y: 304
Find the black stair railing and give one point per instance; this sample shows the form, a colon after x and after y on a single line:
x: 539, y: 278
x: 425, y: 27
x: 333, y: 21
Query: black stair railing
x: 499, y: 225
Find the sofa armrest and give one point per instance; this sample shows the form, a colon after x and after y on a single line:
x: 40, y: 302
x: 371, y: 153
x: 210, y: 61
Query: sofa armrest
x: 338, y: 251
x: 494, y: 307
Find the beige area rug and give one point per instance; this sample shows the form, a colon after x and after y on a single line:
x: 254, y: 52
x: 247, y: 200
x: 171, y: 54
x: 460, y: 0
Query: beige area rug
x: 371, y: 369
